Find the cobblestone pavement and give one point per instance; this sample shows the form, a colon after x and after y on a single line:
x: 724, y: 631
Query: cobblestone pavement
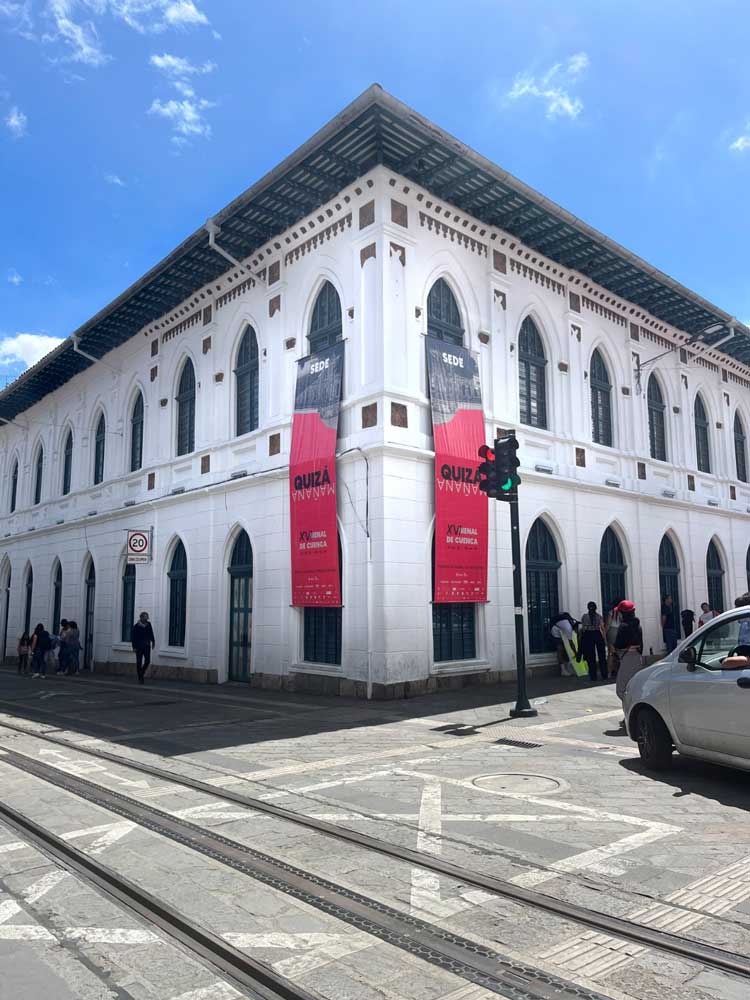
x: 559, y: 803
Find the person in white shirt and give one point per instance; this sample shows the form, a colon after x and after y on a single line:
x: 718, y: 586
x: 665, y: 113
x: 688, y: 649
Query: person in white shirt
x: 563, y: 632
x: 706, y: 614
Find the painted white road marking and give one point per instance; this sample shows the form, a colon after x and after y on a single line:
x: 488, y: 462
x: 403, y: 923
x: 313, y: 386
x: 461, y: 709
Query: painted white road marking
x: 594, y: 954
x: 319, y: 948
x: 110, y: 833
x: 109, y: 935
x: 316, y: 765
x: 31, y: 932
x: 8, y: 909
x: 40, y: 888
x: 15, y: 845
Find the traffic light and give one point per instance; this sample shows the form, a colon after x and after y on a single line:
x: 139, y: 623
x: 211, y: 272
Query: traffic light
x: 506, y: 465
x: 488, y: 472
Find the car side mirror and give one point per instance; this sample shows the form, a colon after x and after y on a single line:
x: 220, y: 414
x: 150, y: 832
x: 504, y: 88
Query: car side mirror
x: 688, y: 656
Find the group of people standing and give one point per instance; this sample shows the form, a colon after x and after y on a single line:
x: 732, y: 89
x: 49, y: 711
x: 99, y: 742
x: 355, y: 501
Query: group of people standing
x: 611, y: 648
x: 43, y: 650
x: 671, y: 629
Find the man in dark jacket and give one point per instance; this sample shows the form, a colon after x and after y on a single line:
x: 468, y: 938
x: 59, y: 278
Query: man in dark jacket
x: 142, y: 640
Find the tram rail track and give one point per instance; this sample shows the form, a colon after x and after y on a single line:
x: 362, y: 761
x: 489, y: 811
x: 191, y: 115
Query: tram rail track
x: 712, y: 957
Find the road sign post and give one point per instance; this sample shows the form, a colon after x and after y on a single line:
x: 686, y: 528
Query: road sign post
x: 500, y: 480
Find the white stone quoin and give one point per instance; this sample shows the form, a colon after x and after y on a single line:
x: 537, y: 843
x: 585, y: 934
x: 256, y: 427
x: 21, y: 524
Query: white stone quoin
x: 383, y: 271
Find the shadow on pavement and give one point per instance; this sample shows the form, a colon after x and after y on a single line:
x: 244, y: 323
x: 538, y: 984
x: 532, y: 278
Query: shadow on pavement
x: 689, y: 776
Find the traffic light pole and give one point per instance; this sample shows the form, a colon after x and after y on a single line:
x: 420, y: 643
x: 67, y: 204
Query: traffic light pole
x: 522, y: 707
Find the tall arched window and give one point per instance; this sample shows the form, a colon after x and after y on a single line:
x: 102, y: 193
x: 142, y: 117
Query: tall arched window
x: 67, y: 463
x: 246, y: 375
x: 322, y: 631
x: 177, y: 596
x: 669, y: 574
x: 657, y: 436
x: 56, y: 599
x: 136, y: 434
x: 186, y: 410
x: 89, y: 616
x: 325, y: 325
x: 38, y: 475
x: 27, y: 602
x: 6, y: 609
x: 714, y: 578
x: 702, y: 449
x: 747, y: 568
x: 740, y: 448
x: 240, y: 608
x: 542, y: 586
x: 100, y: 437
x: 612, y: 569
x: 532, y: 390
x: 601, y: 401
x: 14, y: 487
x: 127, y: 615
x: 443, y: 316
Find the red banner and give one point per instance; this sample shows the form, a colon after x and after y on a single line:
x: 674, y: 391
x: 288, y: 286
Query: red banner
x: 316, y: 580
x: 460, y: 506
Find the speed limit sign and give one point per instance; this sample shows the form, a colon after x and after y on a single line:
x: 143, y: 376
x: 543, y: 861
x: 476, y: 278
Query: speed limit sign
x: 139, y: 546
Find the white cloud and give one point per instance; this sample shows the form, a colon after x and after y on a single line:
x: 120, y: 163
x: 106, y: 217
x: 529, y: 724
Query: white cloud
x: 81, y: 39
x: 26, y: 348
x: 742, y: 143
x: 186, y: 116
x: 551, y: 87
x: 14, y: 277
x: 114, y: 180
x: 184, y: 12
x: 16, y: 122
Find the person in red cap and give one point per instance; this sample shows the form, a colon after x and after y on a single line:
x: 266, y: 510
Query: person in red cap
x: 628, y: 646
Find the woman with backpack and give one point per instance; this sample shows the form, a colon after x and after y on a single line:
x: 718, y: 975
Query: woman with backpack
x: 41, y: 644
x: 23, y: 649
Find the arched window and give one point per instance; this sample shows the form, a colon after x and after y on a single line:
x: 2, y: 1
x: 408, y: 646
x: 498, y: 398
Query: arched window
x: 100, y: 437
x: 740, y: 448
x: 67, y: 463
x: 56, y: 599
x: 542, y: 586
x: 89, y: 617
x: 601, y: 401
x: 136, y: 434
x: 14, y: 487
x: 669, y: 574
x: 240, y: 608
x: 246, y: 375
x: 747, y: 568
x: 322, y: 631
x: 186, y: 410
x: 702, y: 449
x: 127, y: 616
x: 6, y: 609
x: 611, y: 570
x: 177, y: 596
x: 453, y: 628
x: 657, y: 437
x: 532, y: 390
x: 38, y: 475
x: 443, y: 316
x: 27, y: 603
x: 714, y: 578
x: 325, y: 325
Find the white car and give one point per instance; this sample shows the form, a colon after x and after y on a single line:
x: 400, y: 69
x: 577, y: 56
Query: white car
x: 690, y: 702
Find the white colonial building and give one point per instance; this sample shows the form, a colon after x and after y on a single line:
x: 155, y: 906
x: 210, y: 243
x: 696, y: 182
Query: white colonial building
x: 170, y: 411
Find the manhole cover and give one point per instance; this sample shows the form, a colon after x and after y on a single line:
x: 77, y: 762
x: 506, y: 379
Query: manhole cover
x: 519, y: 784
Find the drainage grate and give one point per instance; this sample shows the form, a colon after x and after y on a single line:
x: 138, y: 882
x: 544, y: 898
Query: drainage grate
x: 519, y: 743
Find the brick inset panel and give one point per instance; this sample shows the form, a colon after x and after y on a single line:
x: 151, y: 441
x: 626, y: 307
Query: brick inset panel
x: 691, y: 483
x: 399, y: 213
x: 274, y: 305
x: 154, y: 348
x: 641, y: 470
x: 274, y: 272
x: 151, y: 480
x: 208, y: 314
x: 366, y: 253
x: 370, y: 415
x: 399, y: 415
x: 581, y: 458
x: 499, y: 261
x: 575, y: 301
x: 153, y: 373
x: 206, y: 345
x: 366, y: 214
x: 205, y: 464
x: 274, y: 444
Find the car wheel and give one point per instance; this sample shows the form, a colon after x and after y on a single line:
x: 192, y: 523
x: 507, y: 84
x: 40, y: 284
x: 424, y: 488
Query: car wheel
x: 654, y: 741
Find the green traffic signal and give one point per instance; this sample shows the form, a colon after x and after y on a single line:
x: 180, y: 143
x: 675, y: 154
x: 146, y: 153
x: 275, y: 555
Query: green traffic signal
x: 507, y: 485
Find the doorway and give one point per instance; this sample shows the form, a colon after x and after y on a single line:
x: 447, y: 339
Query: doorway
x: 240, y: 608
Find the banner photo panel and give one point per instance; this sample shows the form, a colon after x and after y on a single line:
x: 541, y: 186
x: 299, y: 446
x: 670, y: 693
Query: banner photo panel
x: 461, y: 513
x: 316, y: 578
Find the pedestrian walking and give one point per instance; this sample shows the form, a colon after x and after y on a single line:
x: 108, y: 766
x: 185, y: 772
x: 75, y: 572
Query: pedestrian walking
x: 142, y: 640
x: 707, y: 614
x: 563, y: 632
x: 614, y: 620
x: 61, y: 650
x: 688, y: 621
x: 24, y: 649
x: 72, y: 640
x: 668, y: 626
x: 593, y: 645
x: 41, y: 644
x: 629, y: 646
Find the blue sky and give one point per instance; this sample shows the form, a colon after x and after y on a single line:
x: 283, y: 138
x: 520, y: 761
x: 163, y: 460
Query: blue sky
x: 125, y: 123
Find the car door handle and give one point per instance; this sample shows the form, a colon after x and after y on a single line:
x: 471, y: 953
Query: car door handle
x: 743, y: 682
